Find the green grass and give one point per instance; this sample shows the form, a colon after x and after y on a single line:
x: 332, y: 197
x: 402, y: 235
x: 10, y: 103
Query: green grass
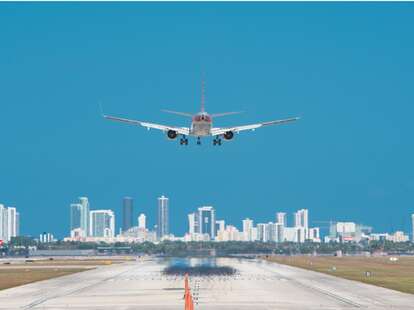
x: 10, y: 277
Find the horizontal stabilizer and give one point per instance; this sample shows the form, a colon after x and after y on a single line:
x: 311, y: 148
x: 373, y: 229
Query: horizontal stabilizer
x: 225, y: 113
x: 178, y: 113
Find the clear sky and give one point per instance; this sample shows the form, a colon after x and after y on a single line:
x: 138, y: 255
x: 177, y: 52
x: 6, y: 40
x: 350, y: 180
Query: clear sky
x: 347, y: 69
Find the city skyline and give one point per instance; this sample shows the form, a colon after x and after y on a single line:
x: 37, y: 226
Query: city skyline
x: 203, y: 225
x: 88, y: 224
x: 80, y: 221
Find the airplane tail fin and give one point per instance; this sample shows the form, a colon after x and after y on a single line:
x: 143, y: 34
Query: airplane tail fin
x: 203, y: 86
x: 225, y: 113
x: 178, y: 113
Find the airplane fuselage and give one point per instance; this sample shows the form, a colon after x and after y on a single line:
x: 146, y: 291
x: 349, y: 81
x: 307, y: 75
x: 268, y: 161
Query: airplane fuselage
x: 201, y: 125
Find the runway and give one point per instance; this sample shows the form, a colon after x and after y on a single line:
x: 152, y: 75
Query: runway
x: 257, y: 285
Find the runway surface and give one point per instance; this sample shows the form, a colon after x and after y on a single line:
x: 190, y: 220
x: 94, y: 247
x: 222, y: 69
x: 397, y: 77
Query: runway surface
x: 257, y: 285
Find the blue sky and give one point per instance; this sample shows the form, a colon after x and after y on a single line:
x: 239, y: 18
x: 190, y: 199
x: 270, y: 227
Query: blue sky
x: 347, y: 69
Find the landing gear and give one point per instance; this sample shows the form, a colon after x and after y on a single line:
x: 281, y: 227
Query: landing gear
x: 198, y: 141
x: 217, y: 141
x: 183, y: 141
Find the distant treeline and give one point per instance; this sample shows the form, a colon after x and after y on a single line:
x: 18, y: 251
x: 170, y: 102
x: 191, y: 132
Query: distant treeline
x: 178, y: 248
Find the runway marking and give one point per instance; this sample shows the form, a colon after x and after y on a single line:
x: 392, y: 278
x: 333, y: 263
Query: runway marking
x: 46, y: 298
x: 318, y: 289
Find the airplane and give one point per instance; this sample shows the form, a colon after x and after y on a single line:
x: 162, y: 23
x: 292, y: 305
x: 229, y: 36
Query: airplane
x: 201, y: 125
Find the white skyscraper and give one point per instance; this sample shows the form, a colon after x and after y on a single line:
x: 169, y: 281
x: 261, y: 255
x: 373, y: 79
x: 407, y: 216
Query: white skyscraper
x: 102, y: 223
x: 254, y: 234
x: 142, y: 221
x: 290, y: 234
x: 314, y: 234
x: 301, y: 218
x: 11, y: 223
x: 280, y: 232
x: 163, y: 217
x: 8, y: 223
x: 412, y: 223
x: 302, y: 224
x: 2, y: 222
x: 84, y: 220
x: 46, y: 237
x: 302, y: 234
x: 220, y: 225
x: 207, y: 221
x: 247, y: 229
x: 191, y: 223
x: 17, y: 224
x: 79, y: 217
x: 262, y: 233
x: 281, y: 218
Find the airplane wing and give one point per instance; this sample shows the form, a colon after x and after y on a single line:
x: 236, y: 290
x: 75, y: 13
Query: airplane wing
x: 179, y: 130
x: 219, y: 131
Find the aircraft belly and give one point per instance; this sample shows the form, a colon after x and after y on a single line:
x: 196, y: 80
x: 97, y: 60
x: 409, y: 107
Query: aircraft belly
x: 201, y: 129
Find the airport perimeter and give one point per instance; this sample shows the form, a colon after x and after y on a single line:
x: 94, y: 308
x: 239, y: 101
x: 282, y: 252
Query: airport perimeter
x: 256, y: 285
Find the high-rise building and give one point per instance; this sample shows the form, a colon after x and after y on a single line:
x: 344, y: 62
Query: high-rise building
x: 17, y: 224
x: 142, y: 221
x: 75, y: 216
x: 102, y: 223
x: 302, y: 234
x: 412, y: 225
x: 8, y: 223
x: 269, y: 232
x: 84, y: 219
x: 254, y: 234
x: 2, y: 222
x: 207, y: 221
x: 220, y: 225
x: 79, y: 217
x: 314, y: 234
x: 191, y: 223
x: 301, y: 218
x: 280, y: 232
x: 11, y: 223
x: 281, y: 218
x: 163, y: 217
x: 127, y: 213
x: 345, y: 231
x: 46, y: 237
x: 262, y: 233
x: 290, y: 234
x: 247, y: 229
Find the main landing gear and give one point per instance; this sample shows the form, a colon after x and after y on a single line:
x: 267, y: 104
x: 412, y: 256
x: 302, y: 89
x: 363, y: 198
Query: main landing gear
x: 217, y: 141
x: 198, y: 141
x: 183, y: 141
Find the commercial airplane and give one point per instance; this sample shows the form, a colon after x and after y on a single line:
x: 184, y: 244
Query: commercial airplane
x: 201, y: 125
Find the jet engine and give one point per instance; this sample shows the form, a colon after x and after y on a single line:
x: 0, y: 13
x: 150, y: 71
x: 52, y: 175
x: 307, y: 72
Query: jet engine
x: 171, y: 134
x: 228, y: 135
